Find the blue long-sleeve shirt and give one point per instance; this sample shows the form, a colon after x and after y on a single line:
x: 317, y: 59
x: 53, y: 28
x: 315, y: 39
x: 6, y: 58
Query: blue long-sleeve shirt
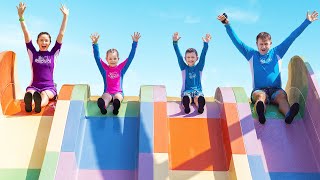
x: 266, y: 68
x: 191, y: 75
x: 113, y: 76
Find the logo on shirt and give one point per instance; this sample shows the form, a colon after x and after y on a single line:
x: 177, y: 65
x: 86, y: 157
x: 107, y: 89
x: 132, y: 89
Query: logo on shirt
x: 113, y: 75
x: 265, y: 60
x: 43, y: 60
x: 192, y: 75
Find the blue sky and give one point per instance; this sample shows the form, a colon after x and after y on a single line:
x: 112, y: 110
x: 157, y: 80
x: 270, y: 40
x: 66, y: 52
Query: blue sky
x: 155, y: 61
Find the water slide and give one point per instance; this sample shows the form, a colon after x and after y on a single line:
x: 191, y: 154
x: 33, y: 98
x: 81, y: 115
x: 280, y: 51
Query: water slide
x: 151, y: 138
x: 23, y: 136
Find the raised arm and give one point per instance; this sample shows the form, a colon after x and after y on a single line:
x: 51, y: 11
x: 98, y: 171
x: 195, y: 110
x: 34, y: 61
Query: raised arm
x: 206, y: 41
x: 242, y: 47
x: 175, y: 39
x: 135, y: 38
x: 95, y: 37
x: 65, y: 13
x: 282, y: 48
x: 21, y: 8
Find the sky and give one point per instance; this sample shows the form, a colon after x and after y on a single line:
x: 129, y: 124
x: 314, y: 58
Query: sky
x: 155, y: 62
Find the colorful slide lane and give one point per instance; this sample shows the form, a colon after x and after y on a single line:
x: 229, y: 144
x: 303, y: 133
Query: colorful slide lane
x: 152, y: 138
x: 84, y: 144
x: 23, y: 136
x: 279, y: 151
x: 134, y: 144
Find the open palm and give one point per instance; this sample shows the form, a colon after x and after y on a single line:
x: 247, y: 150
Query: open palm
x: 95, y: 37
x: 313, y: 16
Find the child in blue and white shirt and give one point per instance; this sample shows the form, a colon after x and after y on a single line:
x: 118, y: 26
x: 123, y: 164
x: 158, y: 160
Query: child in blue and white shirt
x: 191, y: 74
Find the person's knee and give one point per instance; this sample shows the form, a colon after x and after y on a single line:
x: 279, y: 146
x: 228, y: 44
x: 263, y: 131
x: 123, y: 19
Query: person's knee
x: 259, y: 95
x: 106, y: 97
x: 118, y: 96
x: 280, y: 96
x: 44, y: 96
x: 47, y: 94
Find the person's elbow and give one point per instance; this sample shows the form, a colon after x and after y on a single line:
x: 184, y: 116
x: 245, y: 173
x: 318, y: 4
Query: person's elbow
x: 61, y: 35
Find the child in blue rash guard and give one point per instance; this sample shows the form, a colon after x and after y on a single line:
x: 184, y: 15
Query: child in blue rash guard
x: 191, y: 74
x: 265, y: 67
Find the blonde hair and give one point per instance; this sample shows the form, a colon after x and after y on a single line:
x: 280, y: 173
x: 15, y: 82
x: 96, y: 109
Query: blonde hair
x: 112, y: 51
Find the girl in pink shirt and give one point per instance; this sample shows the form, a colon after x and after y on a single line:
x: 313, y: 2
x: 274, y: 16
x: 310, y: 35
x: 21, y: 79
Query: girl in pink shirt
x: 112, y: 73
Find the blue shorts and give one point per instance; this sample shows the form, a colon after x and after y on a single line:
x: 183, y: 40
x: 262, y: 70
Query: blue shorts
x: 192, y: 93
x: 271, y: 93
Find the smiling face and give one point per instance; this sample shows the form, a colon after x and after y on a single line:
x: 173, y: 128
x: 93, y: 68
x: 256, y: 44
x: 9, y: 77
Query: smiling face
x: 263, y: 42
x: 263, y: 45
x: 112, y: 58
x: 43, y: 41
x: 191, y: 58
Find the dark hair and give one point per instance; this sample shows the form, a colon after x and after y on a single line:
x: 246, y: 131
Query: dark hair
x: 263, y: 36
x: 46, y: 33
x: 191, y: 50
x: 112, y: 51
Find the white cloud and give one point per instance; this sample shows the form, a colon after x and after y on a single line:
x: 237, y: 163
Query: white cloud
x: 236, y: 14
x: 191, y: 20
x: 175, y: 16
x: 166, y: 15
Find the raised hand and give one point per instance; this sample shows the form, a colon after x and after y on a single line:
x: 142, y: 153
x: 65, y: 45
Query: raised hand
x: 21, y: 8
x: 223, y: 19
x: 312, y: 17
x: 176, y: 36
x: 64, y: 10
x: 95, y: 37
x: 136, y: 36
x: 207, y: 38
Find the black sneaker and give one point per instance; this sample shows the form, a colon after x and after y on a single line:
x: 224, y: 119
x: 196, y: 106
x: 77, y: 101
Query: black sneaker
x: 116, y: 106
x: 186, y: 104
x: 260, y: 112
x: 28, y: 102
x: 294, y: 109
x: 37, y: 101
x: 101, y: 105
x: 201, y: 102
